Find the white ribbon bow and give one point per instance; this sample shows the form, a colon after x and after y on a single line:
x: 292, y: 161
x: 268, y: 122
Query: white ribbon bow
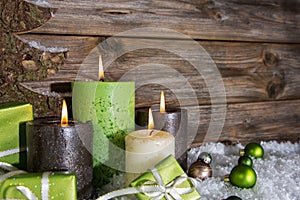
x: 156, y: 190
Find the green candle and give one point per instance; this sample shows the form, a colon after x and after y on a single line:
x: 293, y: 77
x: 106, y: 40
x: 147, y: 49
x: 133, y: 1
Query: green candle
x: 13, y: 117
x: 110, y: 106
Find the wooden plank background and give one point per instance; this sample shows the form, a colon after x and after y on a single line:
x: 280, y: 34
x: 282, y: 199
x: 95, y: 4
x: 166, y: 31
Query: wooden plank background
x: 266, y: 20
x: 254, y: 44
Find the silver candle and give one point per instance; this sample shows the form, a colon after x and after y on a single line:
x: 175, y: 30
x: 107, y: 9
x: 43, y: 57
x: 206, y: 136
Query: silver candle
x: 53, y: 147
x: 174, y: 121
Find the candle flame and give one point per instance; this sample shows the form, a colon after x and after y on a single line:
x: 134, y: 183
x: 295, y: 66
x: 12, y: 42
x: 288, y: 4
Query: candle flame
x: 64, y: 114
x: 101, y: 70
x: 150, y: 120
x: 162, y: 108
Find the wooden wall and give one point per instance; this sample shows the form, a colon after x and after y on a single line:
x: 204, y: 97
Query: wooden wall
x: 254, y: 44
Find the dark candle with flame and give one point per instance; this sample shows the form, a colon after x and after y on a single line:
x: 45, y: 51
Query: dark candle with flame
x: 55, y: 144
x: 171, y: 120
x: 174, y: 121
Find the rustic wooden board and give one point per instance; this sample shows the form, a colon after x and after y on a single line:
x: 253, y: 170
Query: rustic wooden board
x: 244, y: 20
x: 248, y: 122
x: 251, y: 72
x: 255, y: 46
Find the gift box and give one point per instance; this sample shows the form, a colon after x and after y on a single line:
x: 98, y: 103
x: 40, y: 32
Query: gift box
x: 170, y: 172
x: 13, y: 117
x: 57, y: 186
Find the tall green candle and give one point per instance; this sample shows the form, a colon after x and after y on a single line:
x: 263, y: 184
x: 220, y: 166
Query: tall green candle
x: 12, y: 132
x: 110, y: 106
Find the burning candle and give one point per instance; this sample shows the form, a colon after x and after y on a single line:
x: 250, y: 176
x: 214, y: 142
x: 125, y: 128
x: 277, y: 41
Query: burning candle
x: 174, y: 121
x: 110, y: 106
x: 55, y: 144
x: 145, y: 148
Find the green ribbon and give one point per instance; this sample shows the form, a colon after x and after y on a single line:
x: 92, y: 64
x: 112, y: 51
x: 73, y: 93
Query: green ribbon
x: 12, y: 171
x: 155, y: 190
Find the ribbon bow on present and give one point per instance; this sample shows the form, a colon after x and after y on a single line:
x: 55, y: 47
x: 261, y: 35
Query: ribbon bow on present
x: 12, y: 171
x: 155, y: 190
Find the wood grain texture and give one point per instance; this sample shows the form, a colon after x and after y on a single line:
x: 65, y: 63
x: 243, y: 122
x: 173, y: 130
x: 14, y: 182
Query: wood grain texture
x: 249, y: 122
x: 266, y: 20
x: 251, y: 72
x: 254, y: 46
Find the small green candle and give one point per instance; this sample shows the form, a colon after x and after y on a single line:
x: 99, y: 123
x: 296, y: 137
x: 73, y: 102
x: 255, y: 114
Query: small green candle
x: 110, y: 106
x: 13, y: 117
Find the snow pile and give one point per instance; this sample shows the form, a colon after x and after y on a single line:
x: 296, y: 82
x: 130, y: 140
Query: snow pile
x: 41, y: 3
x: 37, y: 45
x: 278, y: 173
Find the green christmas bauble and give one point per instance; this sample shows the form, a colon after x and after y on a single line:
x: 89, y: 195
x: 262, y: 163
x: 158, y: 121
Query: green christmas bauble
x: 253, y: 149
x: 242, y: 176
x: 233, y: 198
x: 245, y: 160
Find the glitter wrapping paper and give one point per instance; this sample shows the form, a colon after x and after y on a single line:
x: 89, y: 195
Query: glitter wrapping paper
x: 169, y: 169
x: 61, y: 186
x: 12, y: 131
x: 110, y: 106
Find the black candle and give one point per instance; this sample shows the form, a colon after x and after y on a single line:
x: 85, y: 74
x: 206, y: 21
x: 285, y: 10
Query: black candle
x: 52, y: 146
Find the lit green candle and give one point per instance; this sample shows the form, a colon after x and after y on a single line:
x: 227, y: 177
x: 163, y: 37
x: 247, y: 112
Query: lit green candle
x: 12, y: 132
x: 110, y: 106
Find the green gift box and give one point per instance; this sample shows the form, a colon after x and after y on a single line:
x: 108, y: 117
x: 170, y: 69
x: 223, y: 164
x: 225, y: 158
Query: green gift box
x: 169, y: 170
x: 60, y: 186
x: 13, y: 117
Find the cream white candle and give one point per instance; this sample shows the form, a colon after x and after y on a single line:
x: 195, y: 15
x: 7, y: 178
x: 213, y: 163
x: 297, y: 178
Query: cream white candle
x: 144, y: 149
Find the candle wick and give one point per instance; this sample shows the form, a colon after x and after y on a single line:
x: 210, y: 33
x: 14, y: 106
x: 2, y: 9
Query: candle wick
x: 151, y: 132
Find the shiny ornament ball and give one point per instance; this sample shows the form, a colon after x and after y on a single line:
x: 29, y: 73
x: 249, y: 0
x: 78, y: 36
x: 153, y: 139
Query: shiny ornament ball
x: 200, y: 170
x: 242, y: 176
x: 233, y: 198
x: 245, y: 160
x: 253, y: 149
x: 205, y: 157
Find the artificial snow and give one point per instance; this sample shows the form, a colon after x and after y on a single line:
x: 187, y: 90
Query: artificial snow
x: 37, y: 45
x: 40, y: 3
x: 278, y: 172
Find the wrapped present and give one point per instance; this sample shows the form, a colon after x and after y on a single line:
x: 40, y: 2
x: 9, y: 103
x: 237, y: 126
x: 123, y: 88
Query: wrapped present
x: 169, y: 174
x: 166, y: 180
x: 13, y: 117
x: 43, y: 186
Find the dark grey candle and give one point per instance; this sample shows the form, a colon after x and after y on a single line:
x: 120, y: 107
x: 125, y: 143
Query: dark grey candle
x: 52, y: 147
x: 173, y: 121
